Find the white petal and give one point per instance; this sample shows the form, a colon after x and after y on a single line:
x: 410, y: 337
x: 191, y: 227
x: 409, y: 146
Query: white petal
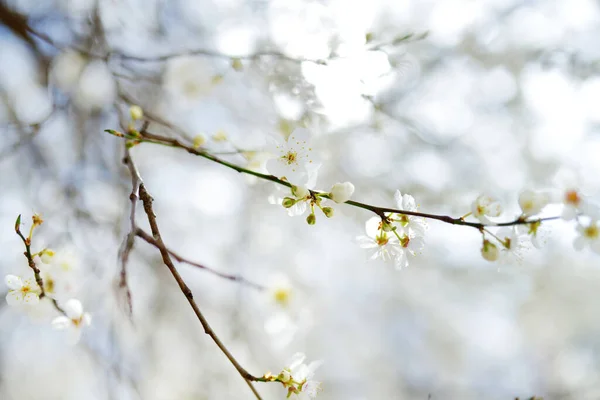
x: 276, y: 167
x: 73, y: 309
x: 61, y: 322
x: 398, y: 199
x: 297, y: 360
x: 494, y: 210
x: 372, y: 226
x: 409, y: 203
x: 13, y: 282
x: 299, y: 138
x: 400, y: 260
x: 31, y: 299
x: 14, y: 297
x: 86, y: 319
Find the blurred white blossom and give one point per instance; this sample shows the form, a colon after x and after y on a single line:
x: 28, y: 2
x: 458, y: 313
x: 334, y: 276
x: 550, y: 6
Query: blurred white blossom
x: 97, y: 88
x: 74, y: 320
x: 589, y: 235
x: 485, y: 206
x: 532, y: 202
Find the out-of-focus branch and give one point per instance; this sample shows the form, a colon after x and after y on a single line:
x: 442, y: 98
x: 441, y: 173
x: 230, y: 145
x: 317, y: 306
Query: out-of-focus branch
x: 136, y: 181
x: 235, y: 278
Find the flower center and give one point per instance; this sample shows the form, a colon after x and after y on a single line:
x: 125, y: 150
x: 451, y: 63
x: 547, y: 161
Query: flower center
x: 282, y: 296
x: 404, y: 241
x: 592, y: 231
x: 382, y: 240
x: 404, y: 220
x: 572, y: 197
x: 290, y: 157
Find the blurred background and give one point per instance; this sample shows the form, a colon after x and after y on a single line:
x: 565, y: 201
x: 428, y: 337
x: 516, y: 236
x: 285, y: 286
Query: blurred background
x: 440, y: 99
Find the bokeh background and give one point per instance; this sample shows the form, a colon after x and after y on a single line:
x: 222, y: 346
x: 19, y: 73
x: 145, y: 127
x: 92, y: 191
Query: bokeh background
x: 440, y: 99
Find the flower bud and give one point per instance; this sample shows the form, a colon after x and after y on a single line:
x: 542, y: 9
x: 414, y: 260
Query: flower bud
x: 288, y: 202
x: 311, y: 219
x: 285, y: 376
x: 489, y: 251
x: 46, y: 256
x: 199, y: 140
x: 341, y: 192
x: 328, y: 211
x: 136, y: 112
x: 300, y: 192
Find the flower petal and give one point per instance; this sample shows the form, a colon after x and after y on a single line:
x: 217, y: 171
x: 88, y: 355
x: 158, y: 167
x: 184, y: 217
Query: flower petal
x: 31, y: 299
x: 73, y: 309
x: 13, y: 282
x: 14, y: 298
x: 61, y: 323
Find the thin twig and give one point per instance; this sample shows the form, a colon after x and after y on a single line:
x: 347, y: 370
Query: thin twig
x: 147, y: 202
x: 136, y: 181
x: 148, y: 137
x: 236, y: 278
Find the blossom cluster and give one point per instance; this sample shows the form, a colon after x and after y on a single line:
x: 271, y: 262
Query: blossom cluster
x: 395, y: 237
x: 509, y: 243
x: 298, y: 377
x: 295, y: 163
x: 50, y: 280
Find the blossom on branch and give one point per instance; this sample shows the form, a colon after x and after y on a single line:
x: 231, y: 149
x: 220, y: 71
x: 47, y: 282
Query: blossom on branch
x: 293, y: 158
x: 297, y: 377
x: 532, y: 202
x: 22, y: 291
x: 513, y: 244
x: 589, y: 235
x: 73, y: 321
x: 341, y: 192
x: 485, y: 206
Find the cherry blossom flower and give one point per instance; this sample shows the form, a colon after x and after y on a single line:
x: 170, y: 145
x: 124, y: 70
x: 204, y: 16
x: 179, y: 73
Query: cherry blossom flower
x: 532, y: 202
x: 414, y: 226
x: 589, y: 235
x: 514, y: 245
x: 341, y: 192
x: 22, y: 291
x: 293, y: 158
x: 382, y: 244
x: 298, y: 376
x: 73, y: 320
x: 485, y: 206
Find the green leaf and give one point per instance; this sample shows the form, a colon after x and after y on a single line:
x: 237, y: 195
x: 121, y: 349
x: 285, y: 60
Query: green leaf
x: 18, y: 223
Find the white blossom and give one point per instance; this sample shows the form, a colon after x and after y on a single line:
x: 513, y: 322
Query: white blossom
x: 73, y: 321
x: 66, y: 69
x: 341, y: 192
x: 414, y: 226
x: 485, y: 206
x: 514, y: 245
x: 381, y: 244
x: 293, y: 158
x: 589, y: 235
x: 532, y: 202
x: 298, y: 377
x: 22, y: 291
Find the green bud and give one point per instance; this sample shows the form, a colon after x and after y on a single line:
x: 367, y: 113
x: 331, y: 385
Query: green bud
x: 18, y: 223
x: 288, y: 202
x: 328, y: 211
x: 311, y: 219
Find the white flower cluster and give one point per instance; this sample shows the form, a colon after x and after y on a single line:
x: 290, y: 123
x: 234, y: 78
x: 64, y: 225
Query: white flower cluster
x: 297, y: 377
x: 512, y: 241
x: 56, y: 275
x: 295, y: 163
x: 396, y: 236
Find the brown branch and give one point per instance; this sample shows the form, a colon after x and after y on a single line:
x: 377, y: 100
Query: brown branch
x: 136, y: 181
x: 147, y: 202
x: 236, y: 278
